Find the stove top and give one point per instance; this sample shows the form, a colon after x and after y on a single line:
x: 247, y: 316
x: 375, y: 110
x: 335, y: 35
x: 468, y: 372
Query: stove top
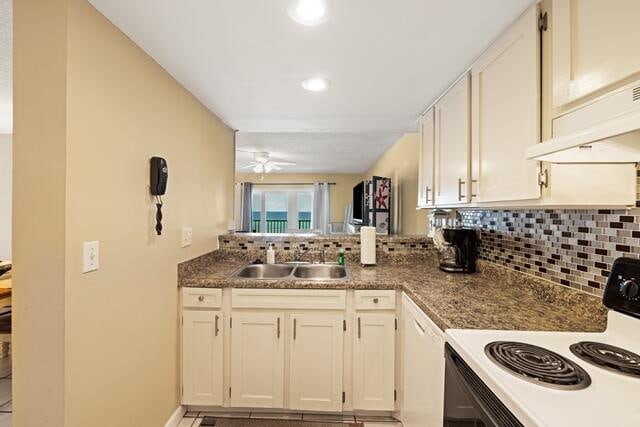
x: 609, y: 357
x: 538, y: 365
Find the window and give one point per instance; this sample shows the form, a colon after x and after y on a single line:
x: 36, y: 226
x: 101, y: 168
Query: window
x: 280, y: 209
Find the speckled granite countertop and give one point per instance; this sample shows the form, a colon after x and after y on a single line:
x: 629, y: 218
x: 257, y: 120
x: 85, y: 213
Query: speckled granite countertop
x: 496, y: 298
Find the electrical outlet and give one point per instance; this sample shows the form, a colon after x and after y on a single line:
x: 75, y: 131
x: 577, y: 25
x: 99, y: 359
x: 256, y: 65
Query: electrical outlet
x: 187, y: 236
x: 90, y: 256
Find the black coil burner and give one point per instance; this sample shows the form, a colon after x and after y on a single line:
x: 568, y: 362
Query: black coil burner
x: 538, y: 365
x: 608, y: 357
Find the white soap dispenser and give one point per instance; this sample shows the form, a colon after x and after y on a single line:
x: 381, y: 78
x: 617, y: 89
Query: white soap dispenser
x: 271, y: 254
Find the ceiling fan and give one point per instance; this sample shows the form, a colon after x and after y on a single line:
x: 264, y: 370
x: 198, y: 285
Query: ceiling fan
x: 263, y: 163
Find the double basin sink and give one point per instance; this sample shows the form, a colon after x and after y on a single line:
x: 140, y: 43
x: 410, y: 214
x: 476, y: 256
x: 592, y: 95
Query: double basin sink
x: 293, y: 271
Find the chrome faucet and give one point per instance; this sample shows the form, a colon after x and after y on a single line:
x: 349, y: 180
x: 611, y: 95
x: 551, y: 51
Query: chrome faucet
x: 296, y: 254
x: 321, y: 256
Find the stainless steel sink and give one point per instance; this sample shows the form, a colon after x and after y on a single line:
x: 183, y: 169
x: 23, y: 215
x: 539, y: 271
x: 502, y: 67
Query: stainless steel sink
x: 266, y: 271
x: 294, y: 271
x: 320, y: 271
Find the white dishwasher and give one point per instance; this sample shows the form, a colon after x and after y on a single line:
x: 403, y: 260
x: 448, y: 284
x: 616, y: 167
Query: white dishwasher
x: 423, y: 368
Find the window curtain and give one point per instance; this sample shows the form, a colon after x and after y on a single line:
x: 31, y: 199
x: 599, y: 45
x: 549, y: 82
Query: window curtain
x: 243, y: 209
x: 321, y: 215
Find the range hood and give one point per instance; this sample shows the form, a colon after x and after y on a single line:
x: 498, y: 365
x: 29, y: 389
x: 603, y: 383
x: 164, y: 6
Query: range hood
x: 606, y: 130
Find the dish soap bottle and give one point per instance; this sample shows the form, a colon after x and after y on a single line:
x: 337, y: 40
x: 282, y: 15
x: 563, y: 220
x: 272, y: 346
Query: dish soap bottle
x: 271, y: 254
x: 341, y: 257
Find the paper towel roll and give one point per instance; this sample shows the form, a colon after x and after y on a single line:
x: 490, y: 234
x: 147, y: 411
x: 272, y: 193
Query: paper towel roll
x: 367, y: 245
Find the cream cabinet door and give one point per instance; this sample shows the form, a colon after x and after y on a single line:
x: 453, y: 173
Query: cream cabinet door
x: 257, y: 360
x: 505, y: 114
x: 595, y: 44
x: 202, y: 366
x: 452, y: 139
x: 426, y: 164
x: 316, y: 359
x: 374, y: 362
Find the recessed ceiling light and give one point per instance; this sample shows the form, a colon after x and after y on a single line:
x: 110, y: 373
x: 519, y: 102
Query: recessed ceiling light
x: 316, y: 84
x: 309, y: 12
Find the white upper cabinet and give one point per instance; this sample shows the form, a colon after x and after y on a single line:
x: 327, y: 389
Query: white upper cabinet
x: 426, y: 163
x: 257, y: 360
x: 595, y: 45
x: 505, y: 114
x: 202, y: 350
x: 452, y: 145
x: 316, y: 359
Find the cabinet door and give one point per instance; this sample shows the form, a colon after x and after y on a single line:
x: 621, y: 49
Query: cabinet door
x: 202, y: 368
x: 595, y: 44
x: 426, y: 165
x: 316, y: 358
x: 505, y: 116
x: 452, y: 137
x: 423, y: 369
x: 257, y: 360
x: 374, y: 362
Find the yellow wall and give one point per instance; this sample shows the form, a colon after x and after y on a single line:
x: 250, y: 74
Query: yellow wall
x: 102, y: 348
x: 400, y: 163
x: 341, y: 193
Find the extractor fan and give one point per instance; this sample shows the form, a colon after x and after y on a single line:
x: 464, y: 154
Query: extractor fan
x: 262, y: 163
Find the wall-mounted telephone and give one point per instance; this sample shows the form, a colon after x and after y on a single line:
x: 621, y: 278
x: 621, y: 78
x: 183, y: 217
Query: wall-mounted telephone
x: 158, y: 186
x: 159, y: 176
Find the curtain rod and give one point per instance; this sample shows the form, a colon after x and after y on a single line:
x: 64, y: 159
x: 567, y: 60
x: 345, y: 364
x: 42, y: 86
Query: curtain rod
x: 289, y: 183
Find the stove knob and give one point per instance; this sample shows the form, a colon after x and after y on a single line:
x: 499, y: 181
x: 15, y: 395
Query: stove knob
x: 630, y: 289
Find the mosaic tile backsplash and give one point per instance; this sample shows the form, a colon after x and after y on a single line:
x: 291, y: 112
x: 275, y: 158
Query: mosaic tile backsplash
x: 330, y: 243
x: 574, y: 248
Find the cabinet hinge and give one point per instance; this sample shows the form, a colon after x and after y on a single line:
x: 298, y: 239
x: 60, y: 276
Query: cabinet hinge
x: 344, y: 397
x: 229, y: 392
x: 395, y: 395
x: 396, y: 323
x: 230, y: 322
x: 344, y: 325
x: 543, y: 22
x: 543, y: 178
x: 182, y: 391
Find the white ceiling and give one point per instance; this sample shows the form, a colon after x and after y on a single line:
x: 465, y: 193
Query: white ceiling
x: 6, y: 43
x: 387, y: 60
x: 315, y: 152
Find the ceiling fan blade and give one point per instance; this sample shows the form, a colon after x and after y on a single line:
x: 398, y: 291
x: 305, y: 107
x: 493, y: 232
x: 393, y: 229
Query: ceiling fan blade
x: 284, y: 163
x: 250, y: 165
x: 275, y: 166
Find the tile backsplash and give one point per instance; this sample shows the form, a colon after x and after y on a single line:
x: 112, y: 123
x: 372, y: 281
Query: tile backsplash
x: 575, y: 248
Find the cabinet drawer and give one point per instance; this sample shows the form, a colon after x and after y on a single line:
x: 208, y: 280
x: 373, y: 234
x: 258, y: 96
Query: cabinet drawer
x: 318, y: 299
x: 201, y: 297
x: 375, y: 300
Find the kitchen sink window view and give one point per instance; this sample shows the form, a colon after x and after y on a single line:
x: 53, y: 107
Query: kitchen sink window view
x: 278, y: 210
x: 319, y: 213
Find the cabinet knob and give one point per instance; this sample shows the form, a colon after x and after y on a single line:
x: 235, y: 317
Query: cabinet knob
x: 201, y: 298
x: 375, y: 300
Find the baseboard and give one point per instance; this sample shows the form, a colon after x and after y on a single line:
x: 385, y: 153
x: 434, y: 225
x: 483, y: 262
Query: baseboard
x: 175, y: 418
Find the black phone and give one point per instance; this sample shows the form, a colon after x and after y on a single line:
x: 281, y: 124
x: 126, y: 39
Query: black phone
x: 159, y: 176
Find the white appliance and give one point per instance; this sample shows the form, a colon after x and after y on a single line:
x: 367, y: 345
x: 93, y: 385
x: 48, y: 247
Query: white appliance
x: 367, y: 245
x: 606, y: 130
x: 581, y: 393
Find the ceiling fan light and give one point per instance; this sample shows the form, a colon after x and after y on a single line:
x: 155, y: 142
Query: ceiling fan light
x: 316, y: 84
x: 308, y: 12
x: 258, y: 168
x: 268, y: 168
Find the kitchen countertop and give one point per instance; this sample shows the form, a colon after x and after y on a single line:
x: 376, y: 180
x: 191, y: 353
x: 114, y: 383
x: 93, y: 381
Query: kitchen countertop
x: 496, y: 298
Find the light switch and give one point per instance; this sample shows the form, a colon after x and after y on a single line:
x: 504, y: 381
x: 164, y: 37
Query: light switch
x: 90, y: 256
x: 187, y: 236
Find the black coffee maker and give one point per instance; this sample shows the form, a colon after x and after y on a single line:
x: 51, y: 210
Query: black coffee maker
x: 461, y: 252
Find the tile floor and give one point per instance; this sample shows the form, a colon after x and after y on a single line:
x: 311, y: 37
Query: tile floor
x: 193, y: 419
x: 6, y: 416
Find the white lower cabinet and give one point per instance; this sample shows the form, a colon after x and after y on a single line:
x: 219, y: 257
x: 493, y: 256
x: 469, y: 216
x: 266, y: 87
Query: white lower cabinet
x: 202, y: 357
x: 423, y: 368
x: 374, y: 361
x: 257, y: 360
x: 316, y: 361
